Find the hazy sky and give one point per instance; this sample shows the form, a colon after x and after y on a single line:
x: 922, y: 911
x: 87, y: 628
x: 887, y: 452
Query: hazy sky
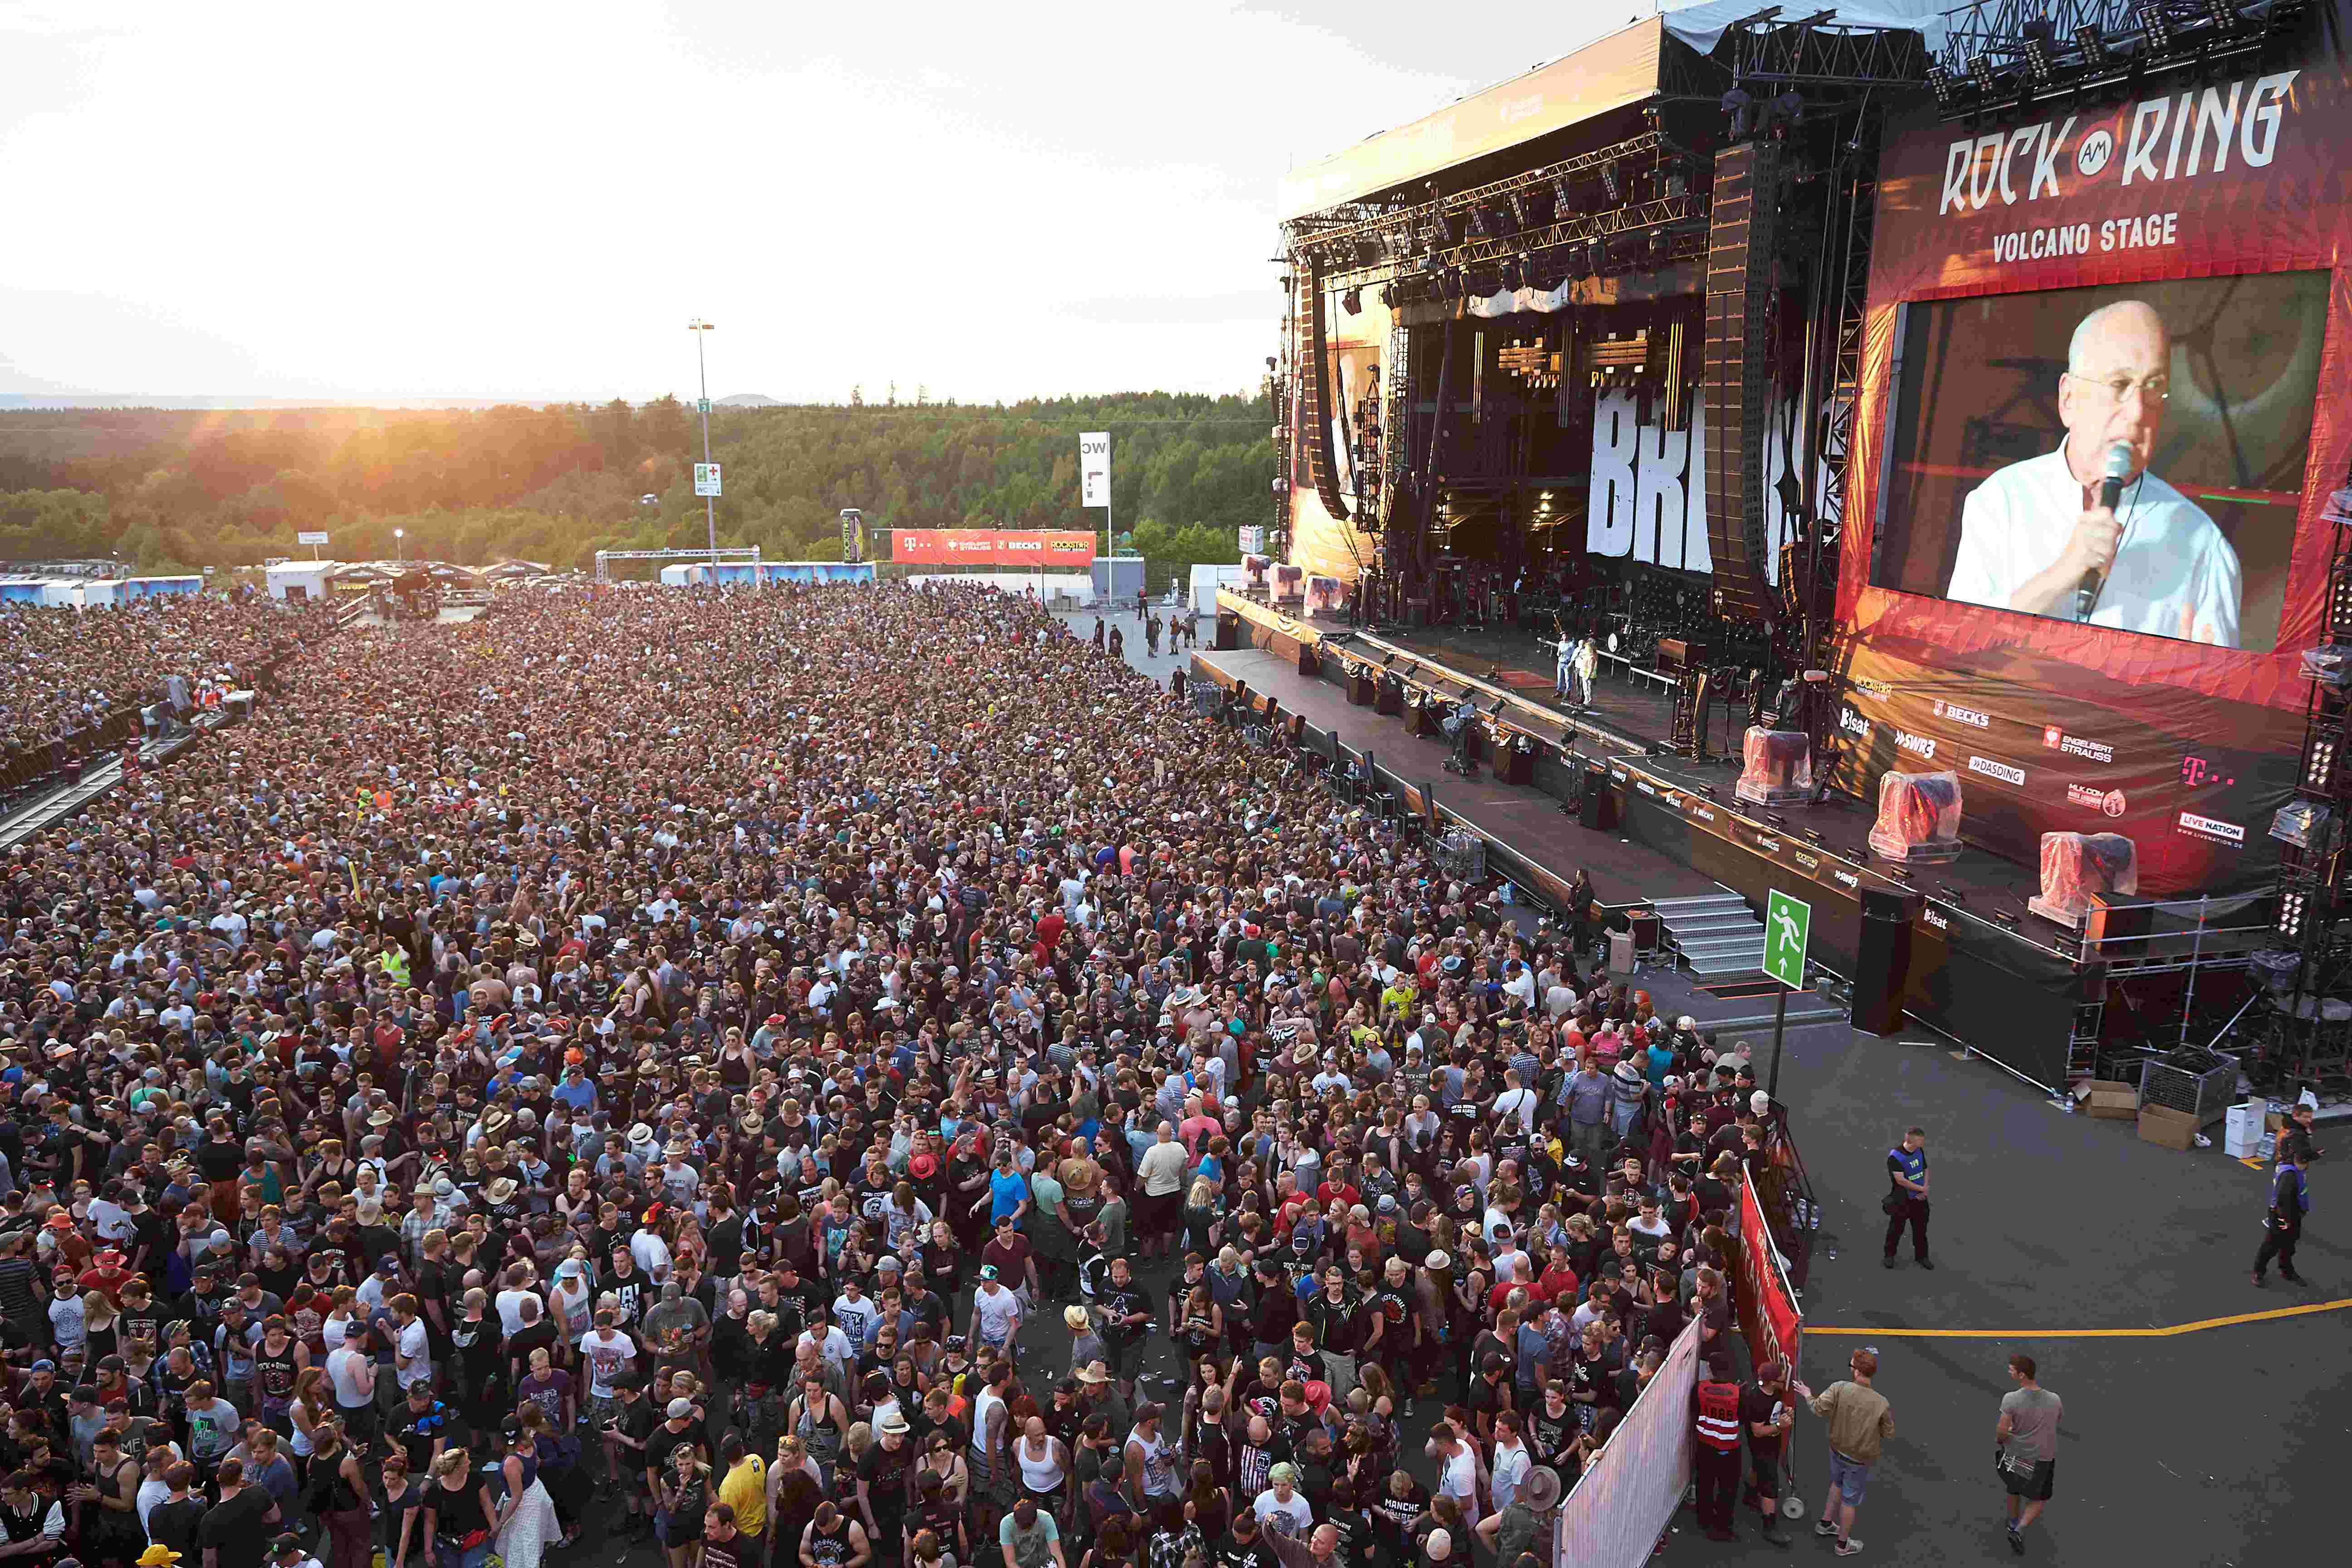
x: 509, y: 199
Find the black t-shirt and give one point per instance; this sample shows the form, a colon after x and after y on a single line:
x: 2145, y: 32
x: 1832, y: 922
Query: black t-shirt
x: 1757, y: 1405
x: 540, y: 1335
x: 635, y: 1290
x: 176, y: 1525
x: 1118, y: 1301
x: 662, y: 1442
x: 415, y: 1430
x: 885, y: 1474
x: 1254, y: 1553
x: 235, y: 1531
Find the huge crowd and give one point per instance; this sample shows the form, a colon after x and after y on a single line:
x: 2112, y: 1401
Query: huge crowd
x: 64, y: 670
x: 658, y: 1055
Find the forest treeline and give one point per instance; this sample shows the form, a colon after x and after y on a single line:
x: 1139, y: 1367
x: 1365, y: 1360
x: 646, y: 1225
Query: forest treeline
x: 171, y: 490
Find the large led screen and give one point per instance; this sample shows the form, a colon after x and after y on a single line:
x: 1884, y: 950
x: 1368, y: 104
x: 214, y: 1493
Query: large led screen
x: 2194, y: 397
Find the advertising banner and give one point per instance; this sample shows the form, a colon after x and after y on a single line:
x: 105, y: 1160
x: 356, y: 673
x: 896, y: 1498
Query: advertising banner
x: 2142, y: 290
x: 1094, y: 468
x: 1028, y: 550
x: 1767, y: 1307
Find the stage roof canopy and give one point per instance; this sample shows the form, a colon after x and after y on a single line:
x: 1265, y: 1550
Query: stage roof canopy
x: 1635, y: 63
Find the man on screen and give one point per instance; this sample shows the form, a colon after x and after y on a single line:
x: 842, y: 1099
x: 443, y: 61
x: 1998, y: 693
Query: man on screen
x: 2029, y: 534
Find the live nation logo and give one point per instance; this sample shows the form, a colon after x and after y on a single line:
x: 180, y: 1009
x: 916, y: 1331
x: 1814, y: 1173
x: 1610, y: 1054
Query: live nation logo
x: 1960, y: 715
x: 2057, y: 739
x: 2212, y: 828
x: 2110, y: 803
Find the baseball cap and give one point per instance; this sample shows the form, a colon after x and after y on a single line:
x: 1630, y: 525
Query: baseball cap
x: 679, y: 1409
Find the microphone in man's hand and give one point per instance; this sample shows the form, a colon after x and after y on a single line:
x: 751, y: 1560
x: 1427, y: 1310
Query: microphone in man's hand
x: 2116, y: 470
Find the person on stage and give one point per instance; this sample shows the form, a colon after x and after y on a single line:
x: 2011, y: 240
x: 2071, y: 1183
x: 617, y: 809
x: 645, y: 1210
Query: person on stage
x: 2033, y: 532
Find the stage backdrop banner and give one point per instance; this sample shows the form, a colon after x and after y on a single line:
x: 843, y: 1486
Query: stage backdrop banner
x: 1620, y: 1507
x: 1029, y: 550
x: 2175, y: 715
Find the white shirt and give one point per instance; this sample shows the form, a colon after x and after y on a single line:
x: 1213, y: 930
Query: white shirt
x: 2174, y: 574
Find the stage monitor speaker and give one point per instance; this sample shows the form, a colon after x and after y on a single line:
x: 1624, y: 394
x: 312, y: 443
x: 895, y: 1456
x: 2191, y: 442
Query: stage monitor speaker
x: 1363, y: 687
x: 1229, y: 630
x: 1598, y: 809
x: 2115, y: 929
x: 1743, y: 231
x: 1390, y: 700
x: 1882, y: 960
x: 1885, y: 904
x: 1306, y: 661
x: 1425, y: 718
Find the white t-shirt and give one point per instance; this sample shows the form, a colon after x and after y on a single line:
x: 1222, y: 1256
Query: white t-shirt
x: 2174, y: 574
x: 608, y: 1361
x: 1294, y: 1518
x: 415, y: 1357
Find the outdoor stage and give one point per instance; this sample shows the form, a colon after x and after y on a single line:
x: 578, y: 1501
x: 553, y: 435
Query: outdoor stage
x: 1975, y: 964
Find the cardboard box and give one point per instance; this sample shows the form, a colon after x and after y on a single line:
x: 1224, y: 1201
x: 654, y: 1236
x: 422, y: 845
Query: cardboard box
x: 2110, y: 1101
x: 2162, y: 1125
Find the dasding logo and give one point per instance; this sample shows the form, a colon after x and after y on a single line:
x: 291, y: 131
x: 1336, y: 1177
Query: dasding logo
x: 1960, y: 715
x: 1994, y: 770
x: 2213, y: 828
x: 1854, y: 723
x: 1920, y: 746
x: 2164, y: 138
x: 2057, y: 739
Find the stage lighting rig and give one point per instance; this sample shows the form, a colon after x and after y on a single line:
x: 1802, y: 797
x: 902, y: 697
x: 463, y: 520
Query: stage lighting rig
x: 2155, y: 26
x: 2094, y: 45
x: 1613, y: 182
x: 1980, y: 70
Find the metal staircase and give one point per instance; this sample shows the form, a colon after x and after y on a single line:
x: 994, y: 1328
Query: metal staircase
x: 1717, y: 936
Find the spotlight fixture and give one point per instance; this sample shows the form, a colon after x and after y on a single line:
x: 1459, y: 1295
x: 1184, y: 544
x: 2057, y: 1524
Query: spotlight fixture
x: 2090, y: 41
x: 2038, y: 34
x: 2291, y: 912
x: 1981, y: 68
x: 1940, y: 81
x: 1613, y: 182
x: 2222, y: 15
x: 2155, y: 26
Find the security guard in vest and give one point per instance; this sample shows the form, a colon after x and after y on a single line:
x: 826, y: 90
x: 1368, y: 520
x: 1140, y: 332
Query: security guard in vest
x: 1715, y: 1403
x: 1907, y: 1195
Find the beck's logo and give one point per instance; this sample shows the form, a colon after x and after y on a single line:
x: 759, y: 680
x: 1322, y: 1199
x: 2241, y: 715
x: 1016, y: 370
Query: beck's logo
x: 1960, y: 715
x: 1920, y: 746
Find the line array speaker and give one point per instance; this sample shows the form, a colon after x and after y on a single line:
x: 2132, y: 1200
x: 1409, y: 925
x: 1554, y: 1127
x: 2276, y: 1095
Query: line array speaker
x: 1742, y: 230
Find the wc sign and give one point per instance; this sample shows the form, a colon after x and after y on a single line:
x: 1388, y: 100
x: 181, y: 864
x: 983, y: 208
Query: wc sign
x: 1094, y: 468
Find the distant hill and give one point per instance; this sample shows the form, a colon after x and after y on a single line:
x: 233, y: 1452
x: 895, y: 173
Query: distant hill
x: 746, y: 400
x: 173, y: 489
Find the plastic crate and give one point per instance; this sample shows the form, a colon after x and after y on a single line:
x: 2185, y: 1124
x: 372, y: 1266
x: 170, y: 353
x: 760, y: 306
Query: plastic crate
x: 2205, y: 1094
x: 1462, y: 854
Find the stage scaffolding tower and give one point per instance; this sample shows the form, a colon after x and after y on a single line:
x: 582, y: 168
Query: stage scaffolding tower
x: 2313, y: 890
